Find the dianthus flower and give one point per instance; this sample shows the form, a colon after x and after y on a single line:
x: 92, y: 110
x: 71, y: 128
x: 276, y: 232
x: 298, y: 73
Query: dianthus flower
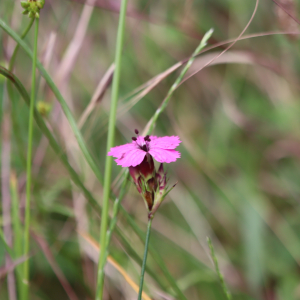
x: 160, y: 148
x: 138, y: 156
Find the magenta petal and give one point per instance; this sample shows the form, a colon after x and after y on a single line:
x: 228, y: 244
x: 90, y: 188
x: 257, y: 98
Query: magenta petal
x: 131, y: 158
x: 153, y: 137
x: 120, y: 151
x: 164, y: 155
x: 166, y: 142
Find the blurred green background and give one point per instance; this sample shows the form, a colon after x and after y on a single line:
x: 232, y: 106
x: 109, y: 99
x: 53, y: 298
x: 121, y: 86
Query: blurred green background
x: 238, y: 119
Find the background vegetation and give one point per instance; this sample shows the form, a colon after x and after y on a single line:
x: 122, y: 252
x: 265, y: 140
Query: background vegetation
x: 238, y: 177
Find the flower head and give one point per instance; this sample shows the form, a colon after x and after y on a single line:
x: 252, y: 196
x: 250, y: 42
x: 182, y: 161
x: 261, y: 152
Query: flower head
x: 160, y: 148
x: 138, y: 156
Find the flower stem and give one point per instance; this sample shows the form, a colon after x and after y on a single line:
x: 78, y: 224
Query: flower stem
x: 145, y: 258
x: 28, y: 167
x: 110, y: 143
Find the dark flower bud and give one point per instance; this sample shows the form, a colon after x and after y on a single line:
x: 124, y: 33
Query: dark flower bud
x: 149, y: 197
x: 147, y: 168
x: 135, y: 174
x: 161, y: 177
x: 152, y: 184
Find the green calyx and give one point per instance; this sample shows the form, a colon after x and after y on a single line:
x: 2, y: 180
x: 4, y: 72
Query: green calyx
x: 151, y: 184
x: 159, y: 197
x: 32, y: 8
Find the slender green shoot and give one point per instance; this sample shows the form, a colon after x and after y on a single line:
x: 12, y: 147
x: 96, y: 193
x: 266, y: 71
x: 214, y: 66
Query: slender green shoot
x: 151, y: 124
x: 145, y: 258
x: 16, y: 225
x: 110, y: 143
x: 28, y: 167
x: 221, y: 278
x: 14, y: 55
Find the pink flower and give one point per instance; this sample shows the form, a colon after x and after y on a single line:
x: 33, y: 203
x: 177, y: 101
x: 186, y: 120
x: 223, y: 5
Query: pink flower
x: 160, y: 148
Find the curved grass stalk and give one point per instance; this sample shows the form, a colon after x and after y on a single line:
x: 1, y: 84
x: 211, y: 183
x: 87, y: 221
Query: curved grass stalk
x: 151, y: 124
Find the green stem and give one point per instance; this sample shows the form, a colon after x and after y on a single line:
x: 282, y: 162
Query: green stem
x: 110, y: 143
x: 13, y: 184
x: 28, y: 167
x: 13, y: 57
x: 145, y: 258
x: 156, y: 256
x: 14, y: 104
x: 16, y: 226
x: 221, y: 278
